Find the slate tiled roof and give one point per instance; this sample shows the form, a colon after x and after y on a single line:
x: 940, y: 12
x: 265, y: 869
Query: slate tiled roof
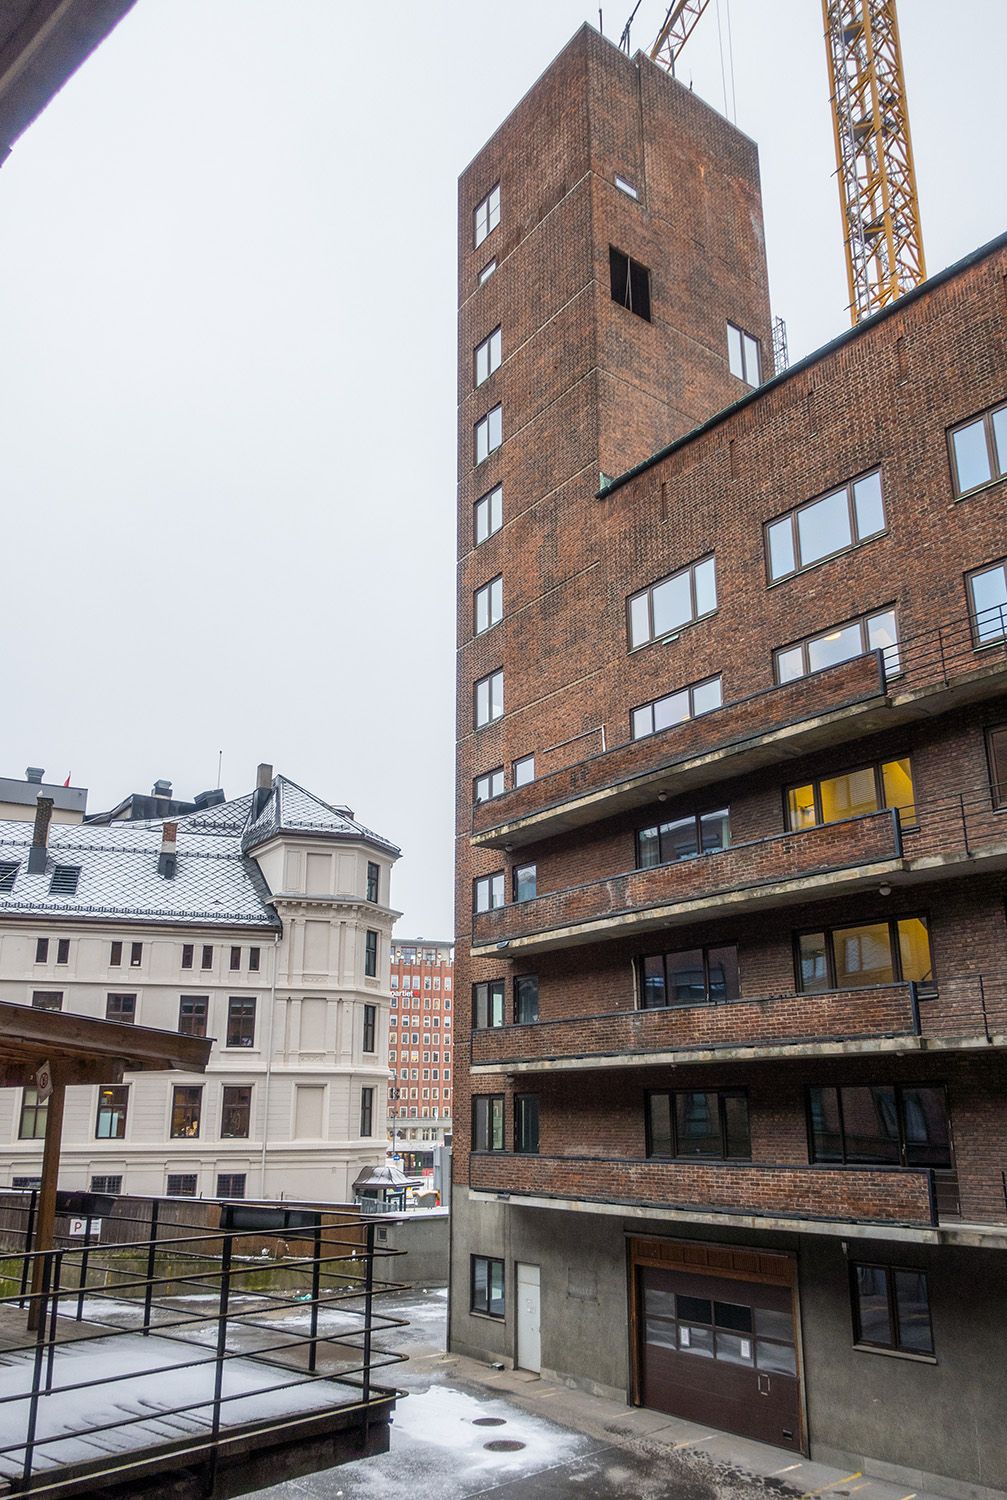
x: 291, y: 809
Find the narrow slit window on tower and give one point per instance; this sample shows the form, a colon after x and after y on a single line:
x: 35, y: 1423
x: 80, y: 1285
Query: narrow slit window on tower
x: 630, y: 283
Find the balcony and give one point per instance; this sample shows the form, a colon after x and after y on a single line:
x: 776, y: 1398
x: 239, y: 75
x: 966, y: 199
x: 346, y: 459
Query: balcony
x: 831, y: 859
x: 757, y: 1193
x: 960, y: 1013
x: 955, y: 664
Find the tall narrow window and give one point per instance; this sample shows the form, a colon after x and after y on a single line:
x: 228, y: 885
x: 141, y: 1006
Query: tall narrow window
x: 240, y: 1021
x: 487, y: 1290
x: 370, y: 1028
x: 488, y: 1004
x: 488, y: 605
x: 743, y: 355
x: 253, y: 960
x: 676, y: 708
x: 366, y: 1111
x: 113, y: 1102
x: 488, y: 514
x: 63, y: 951
x: 115, y: 955
x: 489, y: 785
x: 489, y: 433
x: 524, y: 770
x: 235, y: 959
x: 371, y: 954
x: 41, y: 950
x: 525, y: 882
x: 206, y: 961
x: 235, y: 1112
x: 996, y: 741
x: 630, y: 283
x: 988, y: 603
x: 373, y: 879
x: 488, y: 699
x: 488, y: 355
x: 135, y: 955
x: 34, y: 1112
x: 186, y: 1108
x: 486, y: 215
x: 664, y: 607
x: 525, y: 998
x: 526, y: 1123
x: 186, y: 955
x: 488, y: 1122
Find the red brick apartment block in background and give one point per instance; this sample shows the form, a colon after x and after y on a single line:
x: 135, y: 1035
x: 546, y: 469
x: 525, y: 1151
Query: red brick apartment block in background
x: 730, y: 1105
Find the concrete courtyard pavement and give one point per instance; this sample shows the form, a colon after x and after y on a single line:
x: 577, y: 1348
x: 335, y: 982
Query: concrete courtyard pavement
x: 466, y: 1430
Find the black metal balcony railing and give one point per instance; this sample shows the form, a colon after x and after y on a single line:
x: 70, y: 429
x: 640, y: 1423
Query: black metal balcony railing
x: 178, y: 1310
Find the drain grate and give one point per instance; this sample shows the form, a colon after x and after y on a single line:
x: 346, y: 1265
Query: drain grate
x: 489, y: 1422
x: 503, y: 1445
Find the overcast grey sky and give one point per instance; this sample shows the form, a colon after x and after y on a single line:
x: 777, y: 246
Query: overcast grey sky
x: 227, y: 387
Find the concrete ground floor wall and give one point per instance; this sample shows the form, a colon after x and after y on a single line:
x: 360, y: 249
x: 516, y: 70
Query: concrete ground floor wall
x: 935, y: 1423
x: 423, y: 1235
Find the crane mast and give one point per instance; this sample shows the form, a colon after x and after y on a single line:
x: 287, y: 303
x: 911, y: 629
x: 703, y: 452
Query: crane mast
x: 880, y: 206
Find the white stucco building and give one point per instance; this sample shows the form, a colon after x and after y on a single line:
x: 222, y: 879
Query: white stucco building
x: 264, y: 922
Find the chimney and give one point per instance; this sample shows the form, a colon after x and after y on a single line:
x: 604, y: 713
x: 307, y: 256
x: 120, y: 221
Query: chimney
x: 263, y: 788
x: 38, y: 853
x: 161, y: 789
x: 34, y: 774
x: 168, y: 857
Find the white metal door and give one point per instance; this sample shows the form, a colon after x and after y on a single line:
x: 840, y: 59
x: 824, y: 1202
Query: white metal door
x: 529, y: 1342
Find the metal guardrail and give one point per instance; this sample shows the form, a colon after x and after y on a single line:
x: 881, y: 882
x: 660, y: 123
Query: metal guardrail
x: 334, y: 1267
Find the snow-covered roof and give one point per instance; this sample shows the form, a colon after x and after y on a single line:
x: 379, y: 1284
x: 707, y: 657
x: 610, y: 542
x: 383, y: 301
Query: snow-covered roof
x: 291, y: 809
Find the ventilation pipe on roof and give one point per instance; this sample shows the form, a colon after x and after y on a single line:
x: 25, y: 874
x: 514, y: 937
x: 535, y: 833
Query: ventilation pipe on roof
x: 34, y: 774
x: 161, y: 789
x: 263, y: 788
x: 39, y: 853
x: 168, y: 857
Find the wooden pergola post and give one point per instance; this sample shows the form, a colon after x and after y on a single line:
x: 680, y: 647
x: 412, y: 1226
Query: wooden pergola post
x: 45, y: 1223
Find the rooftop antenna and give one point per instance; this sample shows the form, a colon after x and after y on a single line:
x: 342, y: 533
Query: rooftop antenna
x: 624, y: 39
x: 220, y: 762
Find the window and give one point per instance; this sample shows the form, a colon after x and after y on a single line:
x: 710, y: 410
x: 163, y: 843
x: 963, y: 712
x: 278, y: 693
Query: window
x: 730, y: 1332
x: 489, y: 433
x: 689, y: 976
x: 192, y: 1011
x: 8, y: 874
x: 47, y: 1000
x: 64, y: 880
x: 488, y: 605
x: 113, y: 1101
x: 371, y: 954
x: 235, y: 960
x: 373, y: 880
x: 664, y: 607
x: 683, y: 838
x: 121, y: 1008
x: 487, y: 272
x: 525, y: 998
x: 979, y: 450
x: 525, y: 882
x: 181, y: 1185
x: 26, y: 1182
x: 851, y: 794
x: 370, y: 1028
x: 676, y: 708
x: 996, y: 742
x: 367, y: 1111
x: 230, y: 1184
x: 240, y: 1022
x: 206, y: 961
x: 111, y: 1185
x: 988, y: 603
x: 489, y: 699
x: 827, y: 526
x: 135, y: 955
x: 63, y: 951
x: 626, y: 187
x: 488, y: 1122
x: 115, y: 956
x: 488, y: 514
x: 690, y: 1123
x: 524, y: 770
x: 487, y: 1286
x: 526, y: 1124
x: 487, y: 356
x: 877, y: 632
x: 487, y: 214
x: 235, y: 1111
x: 488, y: 1004
x: 253, y: 960
x: 186, y: 1106
x: 34, y: 1112
x: 186, y: 955
x: 41, y: 950
x: 488, y: 892
x: 630, y: 283
x: 891, y: 1308
x: 880, y: 1125
x: 743, y: 355
x: 489, y: 785
x: 855, y: 957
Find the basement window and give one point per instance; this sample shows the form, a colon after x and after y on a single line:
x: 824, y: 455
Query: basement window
x: 630, y: 283
x: 64, y: 880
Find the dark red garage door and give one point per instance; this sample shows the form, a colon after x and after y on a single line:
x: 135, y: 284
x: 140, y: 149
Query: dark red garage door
x: 719, y: 1350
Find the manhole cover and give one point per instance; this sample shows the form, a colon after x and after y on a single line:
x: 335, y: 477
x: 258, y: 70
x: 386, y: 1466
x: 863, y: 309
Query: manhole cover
x: 489, y: 1422
x: 503, y: 1445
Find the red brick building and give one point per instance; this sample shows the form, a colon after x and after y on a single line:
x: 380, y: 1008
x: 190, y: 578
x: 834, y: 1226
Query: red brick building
x: 732, y: 778
x: 420, y: 1050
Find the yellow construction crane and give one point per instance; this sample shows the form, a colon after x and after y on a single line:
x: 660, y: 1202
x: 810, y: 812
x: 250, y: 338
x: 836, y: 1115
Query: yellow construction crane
x: 882, y: 237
